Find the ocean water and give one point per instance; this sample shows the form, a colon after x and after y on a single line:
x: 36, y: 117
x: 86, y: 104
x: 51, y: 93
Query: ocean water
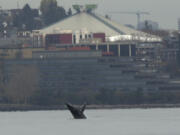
x: 99, y: 122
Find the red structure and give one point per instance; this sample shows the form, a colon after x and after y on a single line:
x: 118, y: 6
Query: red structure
x: 78, y: 48
x: 66, y: 38
x: 107, y: 54
x: 100, y: 36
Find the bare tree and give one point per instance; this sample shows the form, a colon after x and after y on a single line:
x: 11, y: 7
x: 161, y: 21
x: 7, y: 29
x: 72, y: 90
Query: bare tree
x: 1, y: 79
x: 22, y: 84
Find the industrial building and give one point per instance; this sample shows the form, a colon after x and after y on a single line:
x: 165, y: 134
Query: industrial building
x: 149, y: 25
x: 87, y: 28
x: 94, y: 73
x: 83, y: 24
x: 87, y: 50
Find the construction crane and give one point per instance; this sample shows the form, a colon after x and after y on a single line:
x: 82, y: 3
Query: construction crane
x: 138, y: 13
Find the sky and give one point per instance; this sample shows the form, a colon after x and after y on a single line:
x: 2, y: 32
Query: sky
x: 165, y: 12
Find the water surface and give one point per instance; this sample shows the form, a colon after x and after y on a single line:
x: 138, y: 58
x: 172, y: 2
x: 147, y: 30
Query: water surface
x: 99, y: 122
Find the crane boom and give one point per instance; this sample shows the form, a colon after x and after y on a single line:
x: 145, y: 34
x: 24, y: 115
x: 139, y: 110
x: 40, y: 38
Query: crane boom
x: 137, y: 13
x: 127, y: 12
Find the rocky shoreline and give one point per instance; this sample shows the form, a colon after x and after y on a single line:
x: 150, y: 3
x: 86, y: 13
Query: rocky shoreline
x: 15, y: 107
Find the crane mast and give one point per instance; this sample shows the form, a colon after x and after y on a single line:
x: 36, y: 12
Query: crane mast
x: 138, y: 14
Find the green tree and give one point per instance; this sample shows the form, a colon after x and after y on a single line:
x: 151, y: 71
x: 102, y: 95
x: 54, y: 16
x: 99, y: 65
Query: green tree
x: 26, y: 18
x: 51, y: 12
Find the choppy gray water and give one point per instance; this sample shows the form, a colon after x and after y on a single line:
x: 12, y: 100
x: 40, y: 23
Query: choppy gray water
x: 99, y: 122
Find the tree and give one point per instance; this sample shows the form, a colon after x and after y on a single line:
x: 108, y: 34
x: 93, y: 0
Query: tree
x: 51, y: 12
x: 22, y: 84
x: 1, y: 79
x: 61, y: 13
x: 26, y: 18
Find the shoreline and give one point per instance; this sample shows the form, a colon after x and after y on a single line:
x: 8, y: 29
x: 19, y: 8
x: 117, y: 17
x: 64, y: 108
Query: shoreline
x: 15, y: 107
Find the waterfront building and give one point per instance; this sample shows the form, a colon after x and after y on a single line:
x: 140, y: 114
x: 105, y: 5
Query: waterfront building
x: 179, y: 24
x: 149, y: 25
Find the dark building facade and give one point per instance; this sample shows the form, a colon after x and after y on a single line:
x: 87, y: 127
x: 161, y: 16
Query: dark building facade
x: 70, y: 74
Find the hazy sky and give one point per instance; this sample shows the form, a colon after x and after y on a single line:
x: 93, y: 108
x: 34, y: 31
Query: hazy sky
x: 166, y: 12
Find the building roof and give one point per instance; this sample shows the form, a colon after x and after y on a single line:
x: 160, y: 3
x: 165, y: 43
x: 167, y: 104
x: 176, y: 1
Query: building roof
x: 92, y: 23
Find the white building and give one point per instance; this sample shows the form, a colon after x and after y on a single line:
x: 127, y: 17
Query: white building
x: 148, y: 24
x: 94, y: 23
x: 179, y: 24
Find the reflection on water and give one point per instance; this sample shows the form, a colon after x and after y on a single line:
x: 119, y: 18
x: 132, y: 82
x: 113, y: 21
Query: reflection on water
x: 99, y: 122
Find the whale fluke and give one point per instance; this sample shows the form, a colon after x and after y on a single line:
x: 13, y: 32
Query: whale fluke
x: 77, y: 112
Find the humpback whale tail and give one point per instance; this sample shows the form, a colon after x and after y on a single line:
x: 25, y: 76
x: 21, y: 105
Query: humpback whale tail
x: 77, y: 112
x: 83, y: 108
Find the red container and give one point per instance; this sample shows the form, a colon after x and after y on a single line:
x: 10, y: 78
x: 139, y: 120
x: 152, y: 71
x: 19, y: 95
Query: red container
x: 77, y: 48
x: 100, y: 36
x: 51, y: 48
x: 66, y: 38
x: 26, y: 45
x: 107, y: 54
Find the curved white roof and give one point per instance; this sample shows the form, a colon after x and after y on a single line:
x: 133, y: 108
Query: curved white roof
x: 92, y: 23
